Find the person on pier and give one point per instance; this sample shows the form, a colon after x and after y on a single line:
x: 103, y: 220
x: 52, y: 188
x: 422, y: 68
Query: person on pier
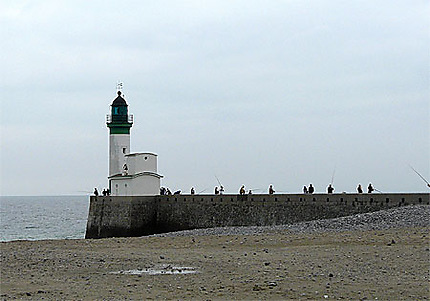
x: 162, y: 191
x: 271, y: 190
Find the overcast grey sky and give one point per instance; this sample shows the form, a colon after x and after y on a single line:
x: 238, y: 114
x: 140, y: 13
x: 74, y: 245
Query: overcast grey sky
x: 254, y: 92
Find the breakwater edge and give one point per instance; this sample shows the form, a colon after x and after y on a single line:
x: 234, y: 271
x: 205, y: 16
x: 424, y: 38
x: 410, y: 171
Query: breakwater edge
x: 123, y: 216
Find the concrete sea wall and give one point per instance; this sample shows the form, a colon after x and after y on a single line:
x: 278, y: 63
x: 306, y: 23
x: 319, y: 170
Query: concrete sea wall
x: 116, y: 216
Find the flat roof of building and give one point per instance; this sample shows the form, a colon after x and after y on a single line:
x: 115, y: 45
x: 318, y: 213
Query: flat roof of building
x: 140, y: 154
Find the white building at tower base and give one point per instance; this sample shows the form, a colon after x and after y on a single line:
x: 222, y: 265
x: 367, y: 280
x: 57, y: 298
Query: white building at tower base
x: 140, y: 176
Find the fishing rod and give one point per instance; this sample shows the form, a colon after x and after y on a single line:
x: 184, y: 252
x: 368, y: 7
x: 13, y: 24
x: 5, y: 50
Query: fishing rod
x: 218, y: 180
x: 203, y: 190
x: 428, y: 184
x: 332, y: 175
x: 255, y: 190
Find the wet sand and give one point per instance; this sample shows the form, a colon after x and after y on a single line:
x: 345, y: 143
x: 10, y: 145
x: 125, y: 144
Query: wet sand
x: 356, y: 265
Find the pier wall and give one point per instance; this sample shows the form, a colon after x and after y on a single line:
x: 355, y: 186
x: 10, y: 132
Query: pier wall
x: 122, y: 216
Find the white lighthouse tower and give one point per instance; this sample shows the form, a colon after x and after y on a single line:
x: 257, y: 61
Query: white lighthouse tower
x: 129, y: 174
x: 119, y: 123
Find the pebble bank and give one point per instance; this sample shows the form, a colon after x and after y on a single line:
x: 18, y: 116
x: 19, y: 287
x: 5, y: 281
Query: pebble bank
x: 402, y: 217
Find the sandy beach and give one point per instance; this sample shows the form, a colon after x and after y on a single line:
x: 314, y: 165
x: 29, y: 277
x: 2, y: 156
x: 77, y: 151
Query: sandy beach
x: 388, y: 264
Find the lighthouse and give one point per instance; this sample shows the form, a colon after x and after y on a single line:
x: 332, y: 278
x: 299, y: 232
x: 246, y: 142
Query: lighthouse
x: 129, y: 173
x: 119, y: 123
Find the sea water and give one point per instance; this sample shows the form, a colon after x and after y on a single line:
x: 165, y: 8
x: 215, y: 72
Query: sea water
x: 43, y: 217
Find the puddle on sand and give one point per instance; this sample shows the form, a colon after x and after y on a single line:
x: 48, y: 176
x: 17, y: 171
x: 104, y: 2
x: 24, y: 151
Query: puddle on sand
x: 163, y: 270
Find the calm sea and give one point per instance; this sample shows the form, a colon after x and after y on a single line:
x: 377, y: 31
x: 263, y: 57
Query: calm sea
x: 43, y: 217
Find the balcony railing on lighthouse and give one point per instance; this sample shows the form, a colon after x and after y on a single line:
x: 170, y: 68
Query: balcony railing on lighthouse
x: 121, y: 118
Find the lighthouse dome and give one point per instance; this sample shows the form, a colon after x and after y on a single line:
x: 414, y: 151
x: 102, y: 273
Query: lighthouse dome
x: 119, y: 101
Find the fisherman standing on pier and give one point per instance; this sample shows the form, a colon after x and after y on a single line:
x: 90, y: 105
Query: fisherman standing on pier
x: 271, y: 190
x: 305, y: 189
x: 359, y: 189
x: 370, y: 188
x: 311, y: 189
x: 330, y: 189
x: 216, y: 190
x: 242, y: 190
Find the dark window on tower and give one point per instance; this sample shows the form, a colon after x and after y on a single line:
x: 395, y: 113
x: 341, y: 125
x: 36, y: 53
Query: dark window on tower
x: 115, y: 110
x: 123, y: 150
